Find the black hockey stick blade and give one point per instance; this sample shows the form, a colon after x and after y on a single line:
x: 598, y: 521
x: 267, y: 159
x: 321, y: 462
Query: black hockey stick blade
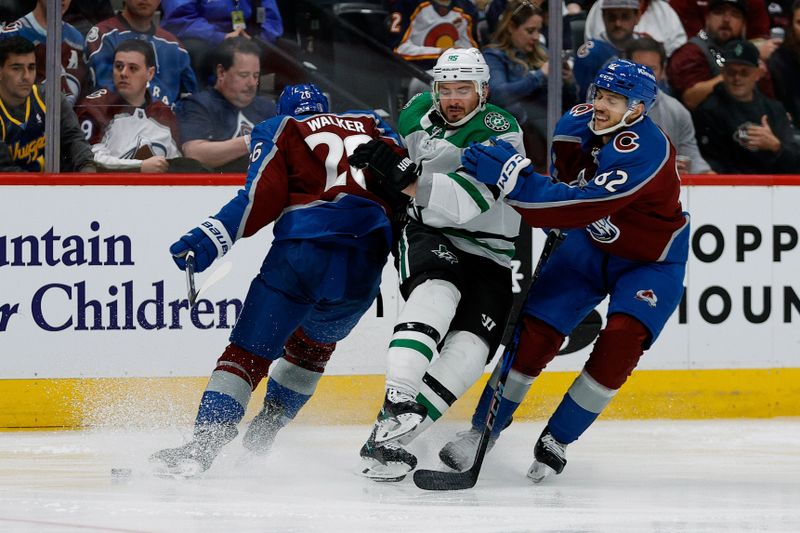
x: 437, y: 480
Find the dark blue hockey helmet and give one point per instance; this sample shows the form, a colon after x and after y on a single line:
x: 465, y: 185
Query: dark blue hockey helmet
x: 302, y: 99
x: 636, y: 82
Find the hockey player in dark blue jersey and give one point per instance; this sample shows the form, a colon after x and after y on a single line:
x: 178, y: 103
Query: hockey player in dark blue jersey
x: 332, y: 234
x: 615, y: 189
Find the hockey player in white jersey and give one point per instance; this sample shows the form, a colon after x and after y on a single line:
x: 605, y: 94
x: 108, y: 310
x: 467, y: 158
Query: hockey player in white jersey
x: 454, y: 257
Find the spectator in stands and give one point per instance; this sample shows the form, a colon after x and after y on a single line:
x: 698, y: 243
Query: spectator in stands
x: 518, y: 67
x: 33, y: 27
x: 693, y: 14
x: 784, y: 66
x: 22, y: 116
x: 216, y: 123
x: 575, y: 10
x: 174, y: 76
x: 620, y: 17
x: 127, y: 128
x: 695, y: 68
x: 657, y: 20
x: 741, y: 131
x: 670, y: 115
x: 422, y: 29
x: 87, y: 13
x: 202, y: 25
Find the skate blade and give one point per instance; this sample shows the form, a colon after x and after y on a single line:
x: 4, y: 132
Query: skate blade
x: 393, y: 429
x: 539, y: 471
x: 183, y: 470
x: 377, y: 471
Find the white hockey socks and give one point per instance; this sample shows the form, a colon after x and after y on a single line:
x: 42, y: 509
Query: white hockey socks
x: 460, y: 364
x: 422, y: 323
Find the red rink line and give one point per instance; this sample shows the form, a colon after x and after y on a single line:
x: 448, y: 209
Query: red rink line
x: 137, y: 179
x: 67, y: 524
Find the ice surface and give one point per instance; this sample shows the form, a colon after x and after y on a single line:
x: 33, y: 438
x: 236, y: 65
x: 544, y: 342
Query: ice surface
x: 637, y: 476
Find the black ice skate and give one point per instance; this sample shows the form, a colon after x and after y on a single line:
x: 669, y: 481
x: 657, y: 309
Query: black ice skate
x: 399, y: 416
x: 265, y: 426
x: 550, y: 457
x: 195, y: 456
x: 385, y: 462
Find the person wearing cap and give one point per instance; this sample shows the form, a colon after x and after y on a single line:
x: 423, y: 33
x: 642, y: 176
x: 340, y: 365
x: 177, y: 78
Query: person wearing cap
x: 454, y: 257
x: 657, y: 19
x: 694, y: 69
x: 667, y: 112
x: 739, y: 129
x: 620, y: 17
x: 693, y: 15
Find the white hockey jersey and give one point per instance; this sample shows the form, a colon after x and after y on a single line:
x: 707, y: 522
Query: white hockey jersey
x: 463, y: 208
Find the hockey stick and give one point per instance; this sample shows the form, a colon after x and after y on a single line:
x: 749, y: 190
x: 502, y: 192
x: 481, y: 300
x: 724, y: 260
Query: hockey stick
x: 437, y: 480
x: 223, y: 270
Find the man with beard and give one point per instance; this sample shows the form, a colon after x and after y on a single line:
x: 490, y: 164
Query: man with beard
x: 216, y: 124
x: 695, y: 68
x: 454, y: 257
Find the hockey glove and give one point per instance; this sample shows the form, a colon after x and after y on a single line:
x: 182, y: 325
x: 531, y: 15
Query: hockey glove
x: 208, y: 241
x: 498, y: 165
x: 392, y: 169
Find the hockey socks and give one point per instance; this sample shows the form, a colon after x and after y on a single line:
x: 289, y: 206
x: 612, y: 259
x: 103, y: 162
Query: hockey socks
x: 516, y: 387
x: 237, y: 374
x: 420, y: 327
x: 582, y: 404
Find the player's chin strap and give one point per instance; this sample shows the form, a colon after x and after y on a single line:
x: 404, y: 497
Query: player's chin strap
x: 621, y: 124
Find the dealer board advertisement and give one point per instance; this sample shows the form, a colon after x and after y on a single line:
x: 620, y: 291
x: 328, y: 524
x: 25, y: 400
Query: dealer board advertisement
x: 88, y: 289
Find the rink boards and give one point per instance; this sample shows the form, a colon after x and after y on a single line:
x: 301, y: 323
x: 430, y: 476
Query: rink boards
x: 94, y: 326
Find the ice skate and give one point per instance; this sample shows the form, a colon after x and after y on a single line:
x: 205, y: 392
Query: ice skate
x: 550, y: 457
x: 264, y: 427
x: 399, y: 416
x: 196, y: 456
x: 385, y: 462
x: 459, y: 453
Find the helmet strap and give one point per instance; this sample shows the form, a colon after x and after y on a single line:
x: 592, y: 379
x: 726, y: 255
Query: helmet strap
x: 622, y: 122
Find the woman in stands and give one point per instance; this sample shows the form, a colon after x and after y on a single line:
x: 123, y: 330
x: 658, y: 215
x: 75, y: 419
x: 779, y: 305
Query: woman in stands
x: 518, y: 64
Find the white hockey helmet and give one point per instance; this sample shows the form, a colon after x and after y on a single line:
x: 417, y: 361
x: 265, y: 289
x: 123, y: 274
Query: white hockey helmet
x: 462, y: 64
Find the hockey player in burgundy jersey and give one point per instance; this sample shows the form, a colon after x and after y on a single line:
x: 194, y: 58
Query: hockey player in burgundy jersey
x: 615, y: 190
x: 332, y: 235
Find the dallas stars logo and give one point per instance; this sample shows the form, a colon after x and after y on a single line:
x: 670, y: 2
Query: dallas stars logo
x: 496, y: 122
x: 445, y: 254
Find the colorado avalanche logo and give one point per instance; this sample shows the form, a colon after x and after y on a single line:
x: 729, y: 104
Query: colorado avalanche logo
x: 647, y: 295
x: 603, y: 230
x: 583, y: 51
x: 580, y: 109
x: 626, y: 142
x: 442, y: 36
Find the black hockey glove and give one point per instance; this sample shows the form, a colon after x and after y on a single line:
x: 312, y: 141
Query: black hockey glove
x: 393, y: 170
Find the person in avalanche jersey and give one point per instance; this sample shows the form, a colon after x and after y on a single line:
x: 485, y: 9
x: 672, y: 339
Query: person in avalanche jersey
x: 173, y: 78
x: 332, y: 235
x: 615, y: 189
x: 127, y: 128
x: 454, y: 257
x: 33, y: 26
